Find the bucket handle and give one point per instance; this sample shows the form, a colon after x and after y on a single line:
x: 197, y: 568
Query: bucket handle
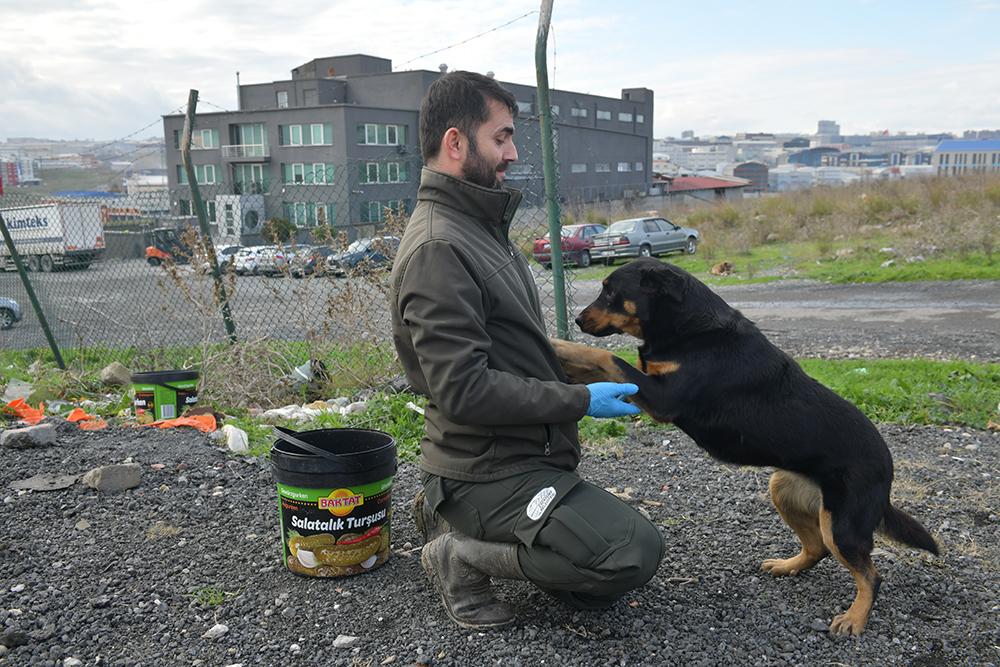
x: 288, y: 437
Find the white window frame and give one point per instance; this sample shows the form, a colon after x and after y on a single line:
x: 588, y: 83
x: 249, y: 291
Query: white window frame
x: 298, y: 173
x: 603, y: 115
x: 313, y: 129
x: 294, y: 130
x: 624, y: 166
x: 603, y: 168
x: 579, y: 168
x: 282, y: 100
x: 578, y: 112
x: 624, y: 117
x: 319, y: 172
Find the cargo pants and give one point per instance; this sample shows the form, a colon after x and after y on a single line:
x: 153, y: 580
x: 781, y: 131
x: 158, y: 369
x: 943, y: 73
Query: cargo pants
x: 578, y: 543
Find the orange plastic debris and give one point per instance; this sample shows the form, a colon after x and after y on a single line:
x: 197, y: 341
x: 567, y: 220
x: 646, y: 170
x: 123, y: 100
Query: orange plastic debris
x: 205, y: 423
x: 79, y: 415
x: 93, y: 424
x: 27, y: 413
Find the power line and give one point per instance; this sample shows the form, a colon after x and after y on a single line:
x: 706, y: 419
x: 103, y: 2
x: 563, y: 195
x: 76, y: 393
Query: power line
x: 468, y: 40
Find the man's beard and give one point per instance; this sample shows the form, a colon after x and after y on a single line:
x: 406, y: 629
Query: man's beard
x: 477, y: 170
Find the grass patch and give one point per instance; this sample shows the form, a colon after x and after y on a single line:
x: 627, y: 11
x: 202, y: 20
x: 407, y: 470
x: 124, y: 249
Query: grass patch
x: 211, y: 596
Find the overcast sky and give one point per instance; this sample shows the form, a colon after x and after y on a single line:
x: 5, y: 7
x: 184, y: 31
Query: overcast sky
x: 109, y: 69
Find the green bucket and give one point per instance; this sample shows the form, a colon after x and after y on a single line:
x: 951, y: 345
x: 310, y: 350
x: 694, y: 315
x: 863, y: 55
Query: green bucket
x: 164, y: 394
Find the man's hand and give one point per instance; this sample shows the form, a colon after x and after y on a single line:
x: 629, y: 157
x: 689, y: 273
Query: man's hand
x: 605, y: 399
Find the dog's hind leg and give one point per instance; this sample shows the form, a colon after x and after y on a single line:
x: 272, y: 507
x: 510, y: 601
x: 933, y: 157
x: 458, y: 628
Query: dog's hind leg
x: 853, y: 550
x: 798, y: 501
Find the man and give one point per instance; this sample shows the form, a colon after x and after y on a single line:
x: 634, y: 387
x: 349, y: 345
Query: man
x: 501, y: 497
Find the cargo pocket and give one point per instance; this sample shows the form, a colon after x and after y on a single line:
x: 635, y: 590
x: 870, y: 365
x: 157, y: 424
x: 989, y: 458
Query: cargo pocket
x: 462, y: 515
x: 541, y: 501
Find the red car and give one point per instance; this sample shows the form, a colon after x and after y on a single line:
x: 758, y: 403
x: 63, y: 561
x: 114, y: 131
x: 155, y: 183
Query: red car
x: 576, y: 244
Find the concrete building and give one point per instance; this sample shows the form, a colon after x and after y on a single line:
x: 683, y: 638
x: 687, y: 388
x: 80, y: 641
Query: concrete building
x: 348, y: 127
x: 955, y: 157
x: 754, y: 172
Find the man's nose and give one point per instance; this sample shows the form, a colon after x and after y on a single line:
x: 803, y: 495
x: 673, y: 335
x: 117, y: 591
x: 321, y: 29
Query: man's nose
x: 510, y: 154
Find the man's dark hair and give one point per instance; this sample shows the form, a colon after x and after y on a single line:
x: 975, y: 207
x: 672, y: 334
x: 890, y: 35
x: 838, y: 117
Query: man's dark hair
x: 458, y: 99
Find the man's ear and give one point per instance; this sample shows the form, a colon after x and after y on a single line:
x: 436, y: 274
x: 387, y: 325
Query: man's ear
x: 454, y: 144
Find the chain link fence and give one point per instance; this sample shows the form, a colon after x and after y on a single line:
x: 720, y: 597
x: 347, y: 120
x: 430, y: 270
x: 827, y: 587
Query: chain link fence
x: 303, y: 270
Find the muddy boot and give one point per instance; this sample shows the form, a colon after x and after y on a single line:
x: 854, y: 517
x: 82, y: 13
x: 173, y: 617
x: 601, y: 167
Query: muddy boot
x: 430, y: 524
x: 460, y: 568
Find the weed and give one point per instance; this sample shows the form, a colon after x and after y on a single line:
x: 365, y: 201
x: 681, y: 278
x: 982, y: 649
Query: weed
x: 211, y: 596
x: 160, y: 529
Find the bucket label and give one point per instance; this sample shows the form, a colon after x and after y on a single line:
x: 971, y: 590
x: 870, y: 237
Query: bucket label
x: 335, y: 532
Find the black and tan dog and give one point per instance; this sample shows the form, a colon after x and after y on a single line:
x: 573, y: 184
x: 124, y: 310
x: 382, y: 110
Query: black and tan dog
x: 709, y: 370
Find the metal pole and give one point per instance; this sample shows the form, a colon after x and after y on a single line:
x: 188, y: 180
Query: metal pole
x: 199, y: 209
x: 31, y: 294
x: 549, y: 167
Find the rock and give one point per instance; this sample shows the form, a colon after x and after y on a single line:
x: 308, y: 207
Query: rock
x: 216, y: 631
x: 125, y: 476
x: 12, y: 638
x: 344, y: 641
x: 236, y: 438
x: 39, y: 435
x: 116, y: 375
x: 44, y: 482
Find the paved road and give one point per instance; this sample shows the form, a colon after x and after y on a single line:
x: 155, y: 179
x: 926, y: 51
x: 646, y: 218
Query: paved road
x: 807, y: 318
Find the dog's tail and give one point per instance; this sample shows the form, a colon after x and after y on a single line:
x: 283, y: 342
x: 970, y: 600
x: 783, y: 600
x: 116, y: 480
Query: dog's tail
x: 901, y: 527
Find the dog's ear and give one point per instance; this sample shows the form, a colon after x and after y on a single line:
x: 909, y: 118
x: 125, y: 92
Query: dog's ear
x: 660, y: 279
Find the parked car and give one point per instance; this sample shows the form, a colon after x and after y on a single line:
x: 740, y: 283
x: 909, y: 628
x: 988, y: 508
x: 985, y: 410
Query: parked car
x: 576, y: 243
x: 365, y: 254
x: 10, y: 313
x: 318, y: 261
x: 245, y: 260
x: 643, y: 237
x: 273, y: 260
x: 223, y: 255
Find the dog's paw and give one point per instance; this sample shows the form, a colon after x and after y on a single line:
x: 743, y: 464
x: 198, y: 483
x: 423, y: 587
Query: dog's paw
x: 782, y: 567
x: 848, y: 624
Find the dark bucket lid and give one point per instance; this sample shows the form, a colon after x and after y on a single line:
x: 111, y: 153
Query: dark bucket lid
x: 368, y: 448
x: 159, y: 377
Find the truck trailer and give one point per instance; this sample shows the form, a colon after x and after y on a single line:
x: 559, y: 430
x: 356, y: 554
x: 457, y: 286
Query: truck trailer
x: 49, y: 236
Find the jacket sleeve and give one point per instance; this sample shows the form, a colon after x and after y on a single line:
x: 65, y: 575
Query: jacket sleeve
x: 443, y: 306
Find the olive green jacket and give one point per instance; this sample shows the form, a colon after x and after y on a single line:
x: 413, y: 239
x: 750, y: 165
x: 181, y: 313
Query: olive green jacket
x: 468, y: 328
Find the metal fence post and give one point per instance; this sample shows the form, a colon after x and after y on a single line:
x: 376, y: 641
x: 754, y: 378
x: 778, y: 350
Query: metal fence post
x: 548, y: 166
x: 31, y: 294
x: 199, y: 209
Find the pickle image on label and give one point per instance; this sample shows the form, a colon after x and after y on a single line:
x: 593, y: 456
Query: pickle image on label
x: 335, y: 532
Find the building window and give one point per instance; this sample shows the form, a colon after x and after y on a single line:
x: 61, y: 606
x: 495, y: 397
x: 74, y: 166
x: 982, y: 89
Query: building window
x: 282, y: 99
x: 206, y: 174
x: 579, y: 168
x: 384, y: 172
x: 577, y: 112
x: 555, y: 109
x: 310, y: 214
x: 638, y: 166
x: 374, y: 211
x: 249, y: 179
x: 602, y: 167
x: 317, y: 134
x: 603, y: 115
x: 381, y: 135
x: 200, y: 139
x: 639, y: 118
x: 307, y: 173
x: 624, y: 166
x: 524, y: 107
x: 624, y: 117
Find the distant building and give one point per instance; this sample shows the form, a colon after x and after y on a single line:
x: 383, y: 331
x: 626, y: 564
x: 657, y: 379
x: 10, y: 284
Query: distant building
x: 955, y: 157
x: 348, y: 127
x: 755, y: 173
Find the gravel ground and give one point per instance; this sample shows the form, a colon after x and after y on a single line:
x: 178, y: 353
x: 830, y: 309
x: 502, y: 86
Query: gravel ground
x: 122, y: 578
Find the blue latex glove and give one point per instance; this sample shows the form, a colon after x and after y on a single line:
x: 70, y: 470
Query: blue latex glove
x: 605, y: 401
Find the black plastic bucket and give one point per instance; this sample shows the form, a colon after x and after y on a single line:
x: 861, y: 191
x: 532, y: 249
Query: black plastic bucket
x: 334, y: 492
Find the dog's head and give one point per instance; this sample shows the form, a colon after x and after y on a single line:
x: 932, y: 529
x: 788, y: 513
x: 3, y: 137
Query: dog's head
x: 647, y: 296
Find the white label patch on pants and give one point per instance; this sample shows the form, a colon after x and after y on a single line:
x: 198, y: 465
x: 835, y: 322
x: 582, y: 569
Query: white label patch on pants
x: 541, y: 501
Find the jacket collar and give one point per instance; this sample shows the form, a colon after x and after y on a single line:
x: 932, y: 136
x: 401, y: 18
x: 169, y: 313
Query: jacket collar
x: 496, y: 207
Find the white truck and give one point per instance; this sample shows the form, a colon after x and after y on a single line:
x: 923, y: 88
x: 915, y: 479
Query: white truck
x: 58, y: 234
